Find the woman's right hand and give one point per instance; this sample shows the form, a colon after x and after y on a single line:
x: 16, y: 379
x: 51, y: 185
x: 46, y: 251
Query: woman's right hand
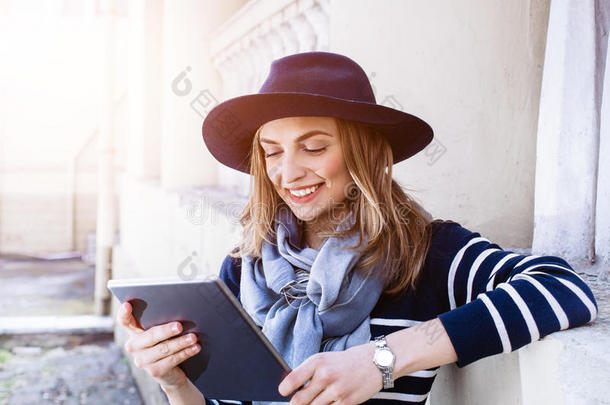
x: 157, y: 350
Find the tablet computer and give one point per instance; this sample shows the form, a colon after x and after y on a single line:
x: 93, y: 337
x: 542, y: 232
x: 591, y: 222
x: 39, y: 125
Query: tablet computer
x: 236, y: 361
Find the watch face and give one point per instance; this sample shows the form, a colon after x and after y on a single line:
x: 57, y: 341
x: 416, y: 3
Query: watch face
x: 384, y: 358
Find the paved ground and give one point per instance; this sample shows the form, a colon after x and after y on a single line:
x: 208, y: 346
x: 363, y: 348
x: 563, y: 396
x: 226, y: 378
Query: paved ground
x: 37, y: 287
x: 57, y: 368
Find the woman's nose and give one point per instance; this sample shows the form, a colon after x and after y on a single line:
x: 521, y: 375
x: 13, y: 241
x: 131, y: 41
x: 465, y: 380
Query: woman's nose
x: 288, y: 171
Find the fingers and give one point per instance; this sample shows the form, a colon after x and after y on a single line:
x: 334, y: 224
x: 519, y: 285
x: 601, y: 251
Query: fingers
x: 328, y: 396
x: 307, y: 394
x: 150, y: 355
x: 125, y: 318
x: 164, y: 365
x: 298, y: 376
x: 152, y: 336
x: 320, y: 390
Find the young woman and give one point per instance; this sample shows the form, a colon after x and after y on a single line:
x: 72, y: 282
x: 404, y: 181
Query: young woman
x: 362, y: 293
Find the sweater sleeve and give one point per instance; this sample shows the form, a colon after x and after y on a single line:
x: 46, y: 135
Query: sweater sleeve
x: 226, y: 402
x: 500, y: 301
x: 230, y: 273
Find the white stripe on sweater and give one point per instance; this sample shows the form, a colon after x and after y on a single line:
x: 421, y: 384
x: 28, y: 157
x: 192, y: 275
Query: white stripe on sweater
x: 474, y: 268
x: 497, y: 318
x: 423, y: 373
x: 394, y: 322
x: 526, y: 259
x: 492, y: 275
x: 400, y: 397
x: 525, y: 311
x: 559, y: 313
x: 576, y: 290
x: 553, y: 265
x: 454, y: 266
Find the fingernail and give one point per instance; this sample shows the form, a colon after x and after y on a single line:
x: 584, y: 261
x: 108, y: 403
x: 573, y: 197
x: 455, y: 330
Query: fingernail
x: 193, y: 349
x: 176, y: 327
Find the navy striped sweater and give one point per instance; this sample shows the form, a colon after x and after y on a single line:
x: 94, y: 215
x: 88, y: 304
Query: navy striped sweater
x: 489, y: 300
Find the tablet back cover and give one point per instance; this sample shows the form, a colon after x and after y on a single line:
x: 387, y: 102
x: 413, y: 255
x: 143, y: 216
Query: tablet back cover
x: 236, y: 362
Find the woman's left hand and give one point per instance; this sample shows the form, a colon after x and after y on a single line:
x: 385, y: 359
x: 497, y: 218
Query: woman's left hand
x: 346, y: 377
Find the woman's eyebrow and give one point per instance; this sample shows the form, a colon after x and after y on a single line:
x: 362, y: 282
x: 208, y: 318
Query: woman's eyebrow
x: 300, y: 137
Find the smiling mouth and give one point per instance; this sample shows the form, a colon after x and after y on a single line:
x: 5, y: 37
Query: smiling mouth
x: 302, y: 192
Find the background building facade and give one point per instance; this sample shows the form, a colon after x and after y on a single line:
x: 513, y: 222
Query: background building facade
x: 513, y: 90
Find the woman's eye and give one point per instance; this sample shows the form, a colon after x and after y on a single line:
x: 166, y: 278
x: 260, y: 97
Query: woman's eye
x: 315, y: 150
x: 267, y: 155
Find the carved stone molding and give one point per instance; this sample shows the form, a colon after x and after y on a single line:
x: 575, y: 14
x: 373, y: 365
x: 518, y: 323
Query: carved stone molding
x: 262, y: 31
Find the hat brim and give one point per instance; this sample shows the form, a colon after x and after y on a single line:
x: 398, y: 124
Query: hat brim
x: 229, y: 127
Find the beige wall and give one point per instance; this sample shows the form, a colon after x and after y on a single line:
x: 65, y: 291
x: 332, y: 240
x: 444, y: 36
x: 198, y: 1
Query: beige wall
x: 158, y: 193
x: 188, y: 26
x: 472, y: 69
x: 47, y: 218
x: 49, y: 103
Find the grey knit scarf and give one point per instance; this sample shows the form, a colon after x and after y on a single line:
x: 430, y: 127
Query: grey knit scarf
x: 309, y: 300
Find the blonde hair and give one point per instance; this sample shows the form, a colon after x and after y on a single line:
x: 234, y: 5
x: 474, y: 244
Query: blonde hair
x: 396, y: 225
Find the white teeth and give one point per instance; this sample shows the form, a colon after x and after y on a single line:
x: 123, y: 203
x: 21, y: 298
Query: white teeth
x: 305, y: 191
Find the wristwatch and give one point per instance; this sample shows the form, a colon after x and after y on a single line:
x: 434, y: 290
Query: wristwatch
x: 384, y: 360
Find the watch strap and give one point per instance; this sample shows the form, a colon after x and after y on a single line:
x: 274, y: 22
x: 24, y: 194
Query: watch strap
x: 388, y: 380
x: 386, y: 372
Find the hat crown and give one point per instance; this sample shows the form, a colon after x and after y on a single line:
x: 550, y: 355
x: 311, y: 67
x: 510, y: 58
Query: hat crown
x: 320, y: 73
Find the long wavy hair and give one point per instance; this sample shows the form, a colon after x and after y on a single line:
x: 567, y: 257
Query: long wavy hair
x: 396, y: 225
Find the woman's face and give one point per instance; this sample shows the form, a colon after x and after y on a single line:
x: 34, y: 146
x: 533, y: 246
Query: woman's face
x: 304, y: 161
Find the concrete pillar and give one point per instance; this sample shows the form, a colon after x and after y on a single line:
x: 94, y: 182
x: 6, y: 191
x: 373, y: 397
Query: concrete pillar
x: 105, y: 227
x: 145, y: 88
x: 190, y: 87
x: 3, y: 134
x: 602, y: 210
x: 568, y: 130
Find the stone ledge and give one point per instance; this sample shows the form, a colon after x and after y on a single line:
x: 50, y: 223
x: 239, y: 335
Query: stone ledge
x: 77, y: 324
x: 568, y: 367
x: 584, y: 359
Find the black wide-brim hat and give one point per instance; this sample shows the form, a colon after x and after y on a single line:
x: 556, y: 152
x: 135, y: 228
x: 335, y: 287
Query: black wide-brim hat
x: 309, y: 84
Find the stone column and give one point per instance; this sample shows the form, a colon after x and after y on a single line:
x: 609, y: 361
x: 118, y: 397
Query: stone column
x: 602, y: 208
x: 190, y: 88
x: 144, y: 88
x: 568, y: 130
x: 105, y: 226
